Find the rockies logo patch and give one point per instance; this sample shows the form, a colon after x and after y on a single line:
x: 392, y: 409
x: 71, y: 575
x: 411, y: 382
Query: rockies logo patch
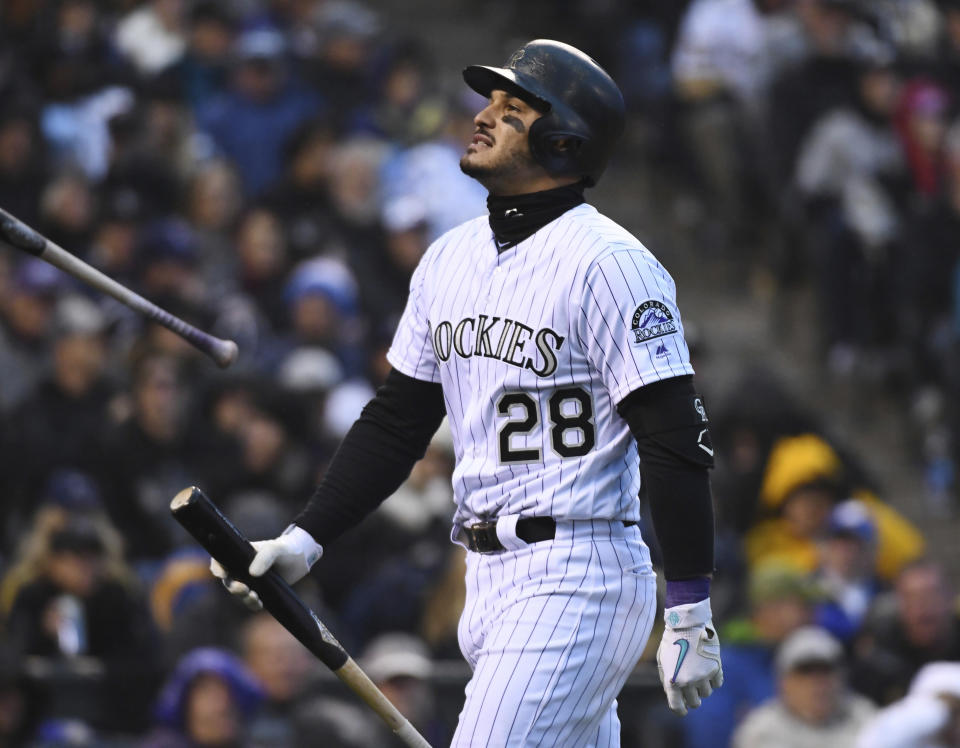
x: 652, y: 320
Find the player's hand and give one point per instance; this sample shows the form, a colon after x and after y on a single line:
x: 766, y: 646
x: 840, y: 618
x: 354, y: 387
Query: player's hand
x: 689, y: 656
x: 292, y: 553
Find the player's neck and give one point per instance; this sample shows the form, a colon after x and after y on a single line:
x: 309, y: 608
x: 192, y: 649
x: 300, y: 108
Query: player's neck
x: 537, y: 182
x: 514, y: 218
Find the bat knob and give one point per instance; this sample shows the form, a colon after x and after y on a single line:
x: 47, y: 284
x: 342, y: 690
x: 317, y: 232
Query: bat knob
x: 226, y: 353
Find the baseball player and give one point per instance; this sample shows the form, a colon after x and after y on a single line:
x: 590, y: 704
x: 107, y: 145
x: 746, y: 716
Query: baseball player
x: 551, y: 339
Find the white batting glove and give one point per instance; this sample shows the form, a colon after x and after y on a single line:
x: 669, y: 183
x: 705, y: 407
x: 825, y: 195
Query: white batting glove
x: 688, y: 657
x: 293, y: 553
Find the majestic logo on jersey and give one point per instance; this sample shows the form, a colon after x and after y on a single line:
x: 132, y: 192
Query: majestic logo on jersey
x: 500, y: 338
x: 652, y: 320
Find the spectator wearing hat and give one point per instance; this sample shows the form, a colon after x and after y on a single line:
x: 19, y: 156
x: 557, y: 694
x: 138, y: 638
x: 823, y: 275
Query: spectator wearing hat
x: 804, y: 478
x: 167, y: 261
x: 921, y: 624
x: 252, y: 121
x: 400, y: 665
x: 70, y: 599
x: 846, y: 572
x: 781, y: 600
x: 813, y: 708
x: 323, y: 303
x: 206, y: 702
x: 26, y: 317
x: 927, y: 717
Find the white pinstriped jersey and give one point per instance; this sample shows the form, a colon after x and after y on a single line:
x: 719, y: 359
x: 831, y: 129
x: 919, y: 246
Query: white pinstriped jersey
x: 534, y: 348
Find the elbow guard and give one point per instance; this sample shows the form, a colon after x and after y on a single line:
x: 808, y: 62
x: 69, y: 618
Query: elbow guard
x: 670, y: 423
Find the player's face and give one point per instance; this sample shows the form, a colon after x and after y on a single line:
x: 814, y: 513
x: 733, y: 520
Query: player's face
x: 498, y: 155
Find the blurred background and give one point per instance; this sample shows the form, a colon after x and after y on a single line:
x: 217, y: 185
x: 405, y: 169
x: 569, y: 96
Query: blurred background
x: 272, y: 170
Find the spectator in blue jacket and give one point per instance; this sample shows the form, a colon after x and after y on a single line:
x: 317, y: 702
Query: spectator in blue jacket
x: 251, y: 123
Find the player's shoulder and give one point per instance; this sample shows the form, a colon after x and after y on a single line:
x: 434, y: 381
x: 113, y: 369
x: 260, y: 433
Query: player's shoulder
x: 467, y: 234
x: 600, y: 237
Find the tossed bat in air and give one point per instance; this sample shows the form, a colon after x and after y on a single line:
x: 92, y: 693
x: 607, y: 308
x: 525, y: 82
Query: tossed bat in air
x: 21, y: 236
x: 218, y: 535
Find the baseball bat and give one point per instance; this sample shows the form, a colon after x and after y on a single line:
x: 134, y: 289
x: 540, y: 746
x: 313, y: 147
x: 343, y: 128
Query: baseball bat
x: 21, y: 236
x: 220, y: 537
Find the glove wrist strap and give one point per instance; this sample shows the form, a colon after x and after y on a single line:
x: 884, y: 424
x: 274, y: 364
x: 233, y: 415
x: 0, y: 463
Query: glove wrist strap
x: 688, y: 616
x: 304, y: 543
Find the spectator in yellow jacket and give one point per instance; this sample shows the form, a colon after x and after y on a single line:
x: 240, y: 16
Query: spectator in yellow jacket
x: 803, y: 480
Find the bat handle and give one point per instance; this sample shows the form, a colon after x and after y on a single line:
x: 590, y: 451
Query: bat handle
x: 351, y: 674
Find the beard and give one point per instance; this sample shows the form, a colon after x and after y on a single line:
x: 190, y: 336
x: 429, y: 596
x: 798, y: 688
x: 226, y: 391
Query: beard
x: 501, y: 170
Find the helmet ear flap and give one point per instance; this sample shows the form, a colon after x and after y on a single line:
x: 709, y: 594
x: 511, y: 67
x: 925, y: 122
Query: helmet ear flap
x: 556, y: 152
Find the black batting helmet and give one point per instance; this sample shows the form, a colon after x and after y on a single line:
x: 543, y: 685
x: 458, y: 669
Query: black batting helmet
x: 581, y: 105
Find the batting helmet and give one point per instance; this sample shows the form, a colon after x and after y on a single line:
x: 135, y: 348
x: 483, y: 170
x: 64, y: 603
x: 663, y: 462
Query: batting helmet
x: 580, y: 103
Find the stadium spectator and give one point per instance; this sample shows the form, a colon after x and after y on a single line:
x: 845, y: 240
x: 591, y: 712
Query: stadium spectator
x: 206, y: 703
x: 283, y: 668
x: 204, y: 68
x: 927, y: 717
x: 803, y: 480
x: 264, y: 106
x: 151, y: 459
x: 59, y: 425
x: 400, y: 665
x: 70, y: 600
x: 26, y: 318
x: 847, y: 171
x: 921, y: 626
x: 846, y: 571
x: 813, y: 708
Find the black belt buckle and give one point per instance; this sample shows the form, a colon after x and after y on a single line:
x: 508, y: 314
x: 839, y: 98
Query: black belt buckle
x: 482, y: 538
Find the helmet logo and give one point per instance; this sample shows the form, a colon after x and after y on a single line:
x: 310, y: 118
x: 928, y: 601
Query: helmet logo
x: 516, y: 57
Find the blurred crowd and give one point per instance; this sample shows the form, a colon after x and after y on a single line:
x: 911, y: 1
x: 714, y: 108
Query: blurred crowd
x: 272, y: 171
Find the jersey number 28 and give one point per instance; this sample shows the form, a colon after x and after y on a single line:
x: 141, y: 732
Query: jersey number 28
x: 570, y: 435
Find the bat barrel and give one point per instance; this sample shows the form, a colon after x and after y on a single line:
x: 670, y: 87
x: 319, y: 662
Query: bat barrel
x: 222, y: 540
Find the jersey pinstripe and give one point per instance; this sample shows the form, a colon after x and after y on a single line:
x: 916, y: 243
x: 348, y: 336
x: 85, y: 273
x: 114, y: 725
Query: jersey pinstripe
x: 534, y: 348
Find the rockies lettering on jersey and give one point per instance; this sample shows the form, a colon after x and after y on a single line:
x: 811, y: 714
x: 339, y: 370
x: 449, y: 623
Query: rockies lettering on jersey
x: 534, y: 347
x: 472, y: 336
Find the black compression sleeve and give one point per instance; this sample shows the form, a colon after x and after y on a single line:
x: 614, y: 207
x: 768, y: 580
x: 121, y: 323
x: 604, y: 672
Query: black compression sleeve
x: 375, y: 456
x: 669, y: 423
